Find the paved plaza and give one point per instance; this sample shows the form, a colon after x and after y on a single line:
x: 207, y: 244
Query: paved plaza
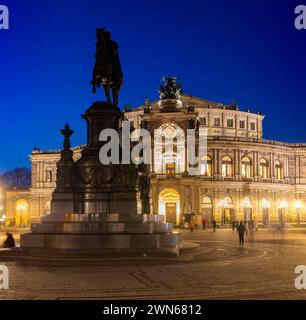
x: 218, y: 270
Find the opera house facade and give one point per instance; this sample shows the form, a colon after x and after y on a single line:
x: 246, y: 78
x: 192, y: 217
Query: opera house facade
x: 244, y: 177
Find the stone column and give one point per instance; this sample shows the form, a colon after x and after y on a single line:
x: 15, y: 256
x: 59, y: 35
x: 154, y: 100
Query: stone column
x: 236, y: 165
x: 215, y: 164
x: 255, y: 166
x: 154, y: 198
x: 272, y: 171
x: 239, y: 164
x: 219, y: 164
x: 186, y: 156
x: 152, y: 157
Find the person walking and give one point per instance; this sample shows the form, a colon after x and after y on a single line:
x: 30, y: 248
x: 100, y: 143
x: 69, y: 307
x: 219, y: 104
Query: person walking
x: 251, y: 231
x: 241, y: 231
x: 246, y: 227
x: 191, y: 224
x: 233, y: 224
x: 214, y: 225
x: 204, y: 223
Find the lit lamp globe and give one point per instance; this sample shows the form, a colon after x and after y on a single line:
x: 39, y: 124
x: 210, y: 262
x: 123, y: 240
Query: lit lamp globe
x: 298, y: 205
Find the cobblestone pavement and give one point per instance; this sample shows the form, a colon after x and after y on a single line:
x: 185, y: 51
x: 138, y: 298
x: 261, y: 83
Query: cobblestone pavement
x: 218, y: 270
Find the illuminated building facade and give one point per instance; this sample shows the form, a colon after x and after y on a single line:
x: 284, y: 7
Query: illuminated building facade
x: 244, y: 177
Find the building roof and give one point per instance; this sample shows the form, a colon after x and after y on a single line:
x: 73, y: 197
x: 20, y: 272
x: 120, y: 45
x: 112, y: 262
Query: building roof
x: 189, y: 100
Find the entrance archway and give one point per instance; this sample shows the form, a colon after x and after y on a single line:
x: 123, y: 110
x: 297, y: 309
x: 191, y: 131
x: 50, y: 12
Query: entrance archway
x: 228, y: 213
x: 169, y: 205
x: 207, y: 210
x: 22, y: 213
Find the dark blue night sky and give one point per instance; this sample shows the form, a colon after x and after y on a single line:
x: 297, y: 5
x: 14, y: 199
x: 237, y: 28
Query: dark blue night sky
x: 221, y: 50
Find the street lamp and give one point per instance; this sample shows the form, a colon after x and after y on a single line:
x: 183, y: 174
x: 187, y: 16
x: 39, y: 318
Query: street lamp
x: 282, y: 205
x: 298, y: 206
x: 265, y: 205
x: 223, y: 204
x: 247, y: 205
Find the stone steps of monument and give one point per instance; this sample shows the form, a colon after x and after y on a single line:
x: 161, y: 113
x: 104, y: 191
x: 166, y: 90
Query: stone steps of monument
x: 101, y: 242
x: 102, y: 227
x: 110, y: 217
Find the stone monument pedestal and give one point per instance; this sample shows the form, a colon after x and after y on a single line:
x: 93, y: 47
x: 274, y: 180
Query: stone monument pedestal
x: 102, y: 235
x: 94, y: 206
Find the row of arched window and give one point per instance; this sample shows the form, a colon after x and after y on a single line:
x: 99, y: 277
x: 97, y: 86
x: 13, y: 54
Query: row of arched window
x: 227, y: 168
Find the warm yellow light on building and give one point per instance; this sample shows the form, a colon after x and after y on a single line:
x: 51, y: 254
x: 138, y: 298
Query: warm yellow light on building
x: 169, y: 205
x: 22, y: 213
x: 246, y: 203
x: 222, y: 203
x: 265, y: 203
x: 298, y: 204
x: 283, y: 204
x: 21, y: 207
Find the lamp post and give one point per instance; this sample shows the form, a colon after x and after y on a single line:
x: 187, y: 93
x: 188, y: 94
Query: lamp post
x: 246, y: 204
x: 222, y: 203
x: 298, y: 206
x: 282, y: 206
x: 265, y: 204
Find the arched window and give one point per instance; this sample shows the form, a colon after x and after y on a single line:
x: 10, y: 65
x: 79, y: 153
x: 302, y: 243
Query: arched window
x: 227, y: 167
x: 49, y: 175
x: 206, y: 167
x: 246, y: 167
x: 169, y: 149
x: 229, y: 201
x: 278, y: 170
x: 206, y: 200
x: 264, y: 168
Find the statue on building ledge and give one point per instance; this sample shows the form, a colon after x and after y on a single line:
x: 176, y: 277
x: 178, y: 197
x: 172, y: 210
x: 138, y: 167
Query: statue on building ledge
x: 169, y: 94
x: 170, y: 88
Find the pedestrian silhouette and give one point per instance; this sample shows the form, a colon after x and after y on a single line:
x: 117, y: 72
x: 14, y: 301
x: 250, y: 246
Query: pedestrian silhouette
x: 9, y: 242
x: 214, y: 225
x: 204, y: 224
x: 241, y: 231
x: 251, y: 231
x: 191, y: 224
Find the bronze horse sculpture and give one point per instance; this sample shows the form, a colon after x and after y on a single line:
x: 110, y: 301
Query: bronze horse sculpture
x: 107, y: 69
